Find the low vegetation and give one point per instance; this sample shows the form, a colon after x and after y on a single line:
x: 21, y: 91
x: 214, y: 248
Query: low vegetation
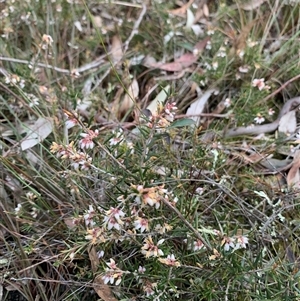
x: 149, y: 150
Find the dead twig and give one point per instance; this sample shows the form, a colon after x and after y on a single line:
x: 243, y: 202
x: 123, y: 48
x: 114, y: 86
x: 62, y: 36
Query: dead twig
x: 126, y: 45
x: 280, y: 88
x: 94, y: 64
x: 135, y: 27
x: 227, y: 115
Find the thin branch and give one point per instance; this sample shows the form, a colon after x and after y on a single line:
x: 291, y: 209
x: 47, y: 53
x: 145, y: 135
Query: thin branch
x: 280, y: 88
x: 196, y: 233
x: 135, y: 27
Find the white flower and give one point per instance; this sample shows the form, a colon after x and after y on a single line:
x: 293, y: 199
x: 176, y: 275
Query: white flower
x: 244, y: 69
x: 221, y: 52
x: 259, y: 83
x: 7, y: 80
x: 207, y: 66
x: 271, y: 112
x: 208, y: 45
x: 112, y: 273
x: 259, y: 119
x: 113, y: 218
x: 118, y: 137
x: 150, y: 249
x: 108, y: 278
x: 142, y: 224
x: 228, y: 243
x: 227, y: 102
x: 47, y: 39
x: 34, y: 212
x: 197, y: 245
x: 88, y: 217
x: 241, y: 242
x: 18, y: 208
x: 100, y: 254
x: 141, y: 270
x: 170, y: 260
x: 215, y: 65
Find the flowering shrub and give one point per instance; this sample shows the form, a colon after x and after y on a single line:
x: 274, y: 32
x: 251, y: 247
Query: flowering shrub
x: 147, y: 207
x: 138, y: 215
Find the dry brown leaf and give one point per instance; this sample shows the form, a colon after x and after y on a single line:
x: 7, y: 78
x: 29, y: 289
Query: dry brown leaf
x: 181, y: 11
x: 241, y: 39
x: 69, y: 221
x: 116, y: 49
x: 179, y: 64
x: 103, y: 290
x: 184, y: 61
x: 293, y: 177
x: 98, y: 21
x: 129, y: 99
x: 93, y: 258
x: 205, y: 10
x: 252, y: 4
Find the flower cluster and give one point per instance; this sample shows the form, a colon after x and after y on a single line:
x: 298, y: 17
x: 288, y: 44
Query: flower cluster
x: 149, y: 288
x: 235, y: 242
x: 163, y: 117
x: 112, y: 273
x: 87, y: 141
x: 141, y: 224
x: 260, y: 84
x: 14, y: 80
x: 150, y: 249
x: 88, y: 217
x: 71, y: 120
x: 152, y: 196
x: 195, y: 245
x: 170, y: 261
x: 112, y: 219
x: 47, y: 41
x: 117, y: 138
x: 78, y: 159
x: 96, y: 236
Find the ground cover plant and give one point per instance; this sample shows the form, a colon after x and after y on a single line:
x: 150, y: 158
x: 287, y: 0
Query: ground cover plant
x: 149, y: 150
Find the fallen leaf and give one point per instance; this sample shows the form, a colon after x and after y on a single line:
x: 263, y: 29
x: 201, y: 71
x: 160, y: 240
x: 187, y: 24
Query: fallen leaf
x: 200, y: 46
x: 252, y: 4
x: 37, y: 132
x: 182, y: 123
x: 293, y: 177
x: 69, y: 221
x: 179, y: 64
x: 205, y: 10
x: 198, y: 106
x: 116, y: 49
x: 159, y: 99
x: 183, y: 61
x: 241, y: 40
x: 181, y: 11
x: 103, y: 290
x: 129, y: 99
x: 97, y: 21
x: 93, y: 258
x: 288, y: 123
x: 190, y: 18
